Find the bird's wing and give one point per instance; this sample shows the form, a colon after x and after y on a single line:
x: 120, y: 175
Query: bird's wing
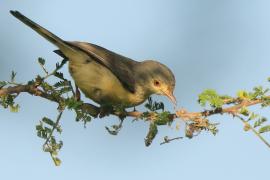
x: 120, y: 66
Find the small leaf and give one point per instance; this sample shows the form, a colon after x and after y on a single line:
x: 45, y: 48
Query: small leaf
x: 244, y: 111
x: 264, y: 129
x: 14, y: 108
x: 39, y: 134
x: 211, y: 97
x: 253, y: 116
x: 163, y: 118
x: 242, y: 94
x: 3, y: 83
x: 153, y: 130
x: 48, y: 121
x: 48, y: 130
x: 59, y: 75
x: 247, y: 127
x: 13, y: 75
x: 65, y: 90
x: 260, y: 122
x: 41, y: 61
x: 213, y: 128
x: 56, y: 161
x: 39, y: 127
x: 61, y: 84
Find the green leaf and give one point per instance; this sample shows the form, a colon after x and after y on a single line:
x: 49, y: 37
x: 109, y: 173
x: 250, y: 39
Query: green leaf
x: 41, y: 61
x: 260, y: 122
x: 253, y: 116
x: 59, y: 75
x: 12, y: 77
x: 57, y: 161
x: 59, y: 66
x: 247, y: 127
x: 153, y: 130
x: 39, y: 134
x: 244, y: 111
x: 83, y: 116
x: 48, y: 130
x: 259, y: 92
x: 46, y: 86
x: 44, y: 134
x: 213, y: 128
x: 72, y: 103
x: 264, y: 129
x: 242, y: 94
x: 211, y: 97
x: 48, y: 121
x: 163, y: 118
x: 31, y: 82
x: 61, y: 84
x: 3, y: 83
x: 14, y: 108
x: 154, y: 106
x: 39, y: 127
x: 65, y: 90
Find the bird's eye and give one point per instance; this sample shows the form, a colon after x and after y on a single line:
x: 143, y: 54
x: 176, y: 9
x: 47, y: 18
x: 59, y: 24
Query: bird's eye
x: 156, y: 83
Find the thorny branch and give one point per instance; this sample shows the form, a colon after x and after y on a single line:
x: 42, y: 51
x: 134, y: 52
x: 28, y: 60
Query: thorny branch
x: 197, y: 117
x: 156, y: 115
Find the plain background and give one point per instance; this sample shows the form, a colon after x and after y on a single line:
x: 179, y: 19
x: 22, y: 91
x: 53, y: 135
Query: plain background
x: 219, y: 44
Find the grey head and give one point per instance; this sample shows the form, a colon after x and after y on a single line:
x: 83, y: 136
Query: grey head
x: 155, y: 78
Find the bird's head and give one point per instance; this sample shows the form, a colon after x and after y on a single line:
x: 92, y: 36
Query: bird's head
x: 158, y: 78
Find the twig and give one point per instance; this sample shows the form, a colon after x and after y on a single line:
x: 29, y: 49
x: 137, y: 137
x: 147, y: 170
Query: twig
x: 253, y: 130
x: 197, y: 117
x: 54, y: 127
x: 182, y: 113
x: 167, y: 140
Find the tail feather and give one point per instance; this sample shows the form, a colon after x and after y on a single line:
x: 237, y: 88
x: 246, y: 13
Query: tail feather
x: 65, y: 48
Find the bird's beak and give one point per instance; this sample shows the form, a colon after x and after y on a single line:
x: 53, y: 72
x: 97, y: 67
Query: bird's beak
x: 170, y: 95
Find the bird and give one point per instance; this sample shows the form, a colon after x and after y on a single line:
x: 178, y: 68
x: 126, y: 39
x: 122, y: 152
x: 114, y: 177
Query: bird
x: 108, y: 78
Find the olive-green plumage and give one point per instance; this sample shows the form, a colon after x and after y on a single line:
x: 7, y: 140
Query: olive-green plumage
x: 107, y: 77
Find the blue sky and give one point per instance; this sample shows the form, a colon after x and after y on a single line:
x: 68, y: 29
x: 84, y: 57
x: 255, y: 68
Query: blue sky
x: 222, y: 45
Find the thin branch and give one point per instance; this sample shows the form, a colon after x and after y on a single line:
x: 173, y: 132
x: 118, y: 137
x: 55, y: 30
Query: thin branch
x: 54, y: 127
x: 182, y: 113
x: 167, y: 140
x: 185, y: 115
x: 31, y: 89
x: 253, y: 130
x: 197, y: 117
x: 43, y: 68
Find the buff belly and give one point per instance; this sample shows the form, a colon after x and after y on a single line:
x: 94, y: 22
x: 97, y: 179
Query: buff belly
x: 100, y: 84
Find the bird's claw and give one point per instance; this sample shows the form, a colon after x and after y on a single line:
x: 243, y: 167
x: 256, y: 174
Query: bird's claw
x: 105, y: 111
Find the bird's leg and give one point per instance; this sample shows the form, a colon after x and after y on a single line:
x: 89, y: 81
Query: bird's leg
x: 105, y: 110
x: 77, y: 93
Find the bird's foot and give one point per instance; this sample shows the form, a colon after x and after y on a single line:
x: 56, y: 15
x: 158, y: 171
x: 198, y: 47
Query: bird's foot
x: 105, y: 111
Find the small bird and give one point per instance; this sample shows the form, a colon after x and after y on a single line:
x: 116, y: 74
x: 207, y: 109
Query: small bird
x: 106, y: 77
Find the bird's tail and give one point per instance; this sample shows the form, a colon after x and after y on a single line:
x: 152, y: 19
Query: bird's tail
x: 64, y: 47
